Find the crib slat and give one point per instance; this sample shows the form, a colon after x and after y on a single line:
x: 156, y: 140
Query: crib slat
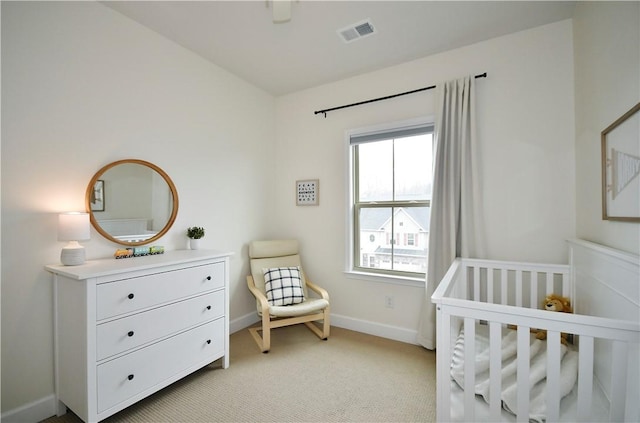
x: 585, y: 378
x: 566, y: 288
x: 495, y: 367
x: 553, y: 376
x: 618, y: 381
x: 469, y: 368
x: 490, y: 297
x: 476, y: 283
x: 518, y: 288
x: 443, y: 374
x: 523, y: 362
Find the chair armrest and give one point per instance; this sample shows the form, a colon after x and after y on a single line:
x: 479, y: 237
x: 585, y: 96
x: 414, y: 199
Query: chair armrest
x: 264, y: 304
x: 321, y: 291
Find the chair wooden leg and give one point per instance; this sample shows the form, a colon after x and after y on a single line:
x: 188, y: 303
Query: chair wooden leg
x: 266, y: 333
x: 321, y: 330
x: 326, y: 325
x: 256, y: 336
x: 320, y: 333
x: 260, y: 340
x: 264, y: 341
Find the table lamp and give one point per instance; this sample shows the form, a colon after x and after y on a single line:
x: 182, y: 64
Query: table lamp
x: 73, y: 227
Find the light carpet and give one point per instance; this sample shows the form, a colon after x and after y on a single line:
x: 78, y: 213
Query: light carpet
x: 351, y: 377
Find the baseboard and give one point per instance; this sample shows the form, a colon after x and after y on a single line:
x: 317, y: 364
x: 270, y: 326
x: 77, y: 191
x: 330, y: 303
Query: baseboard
x: 32, y: 412
x: 377, y: 329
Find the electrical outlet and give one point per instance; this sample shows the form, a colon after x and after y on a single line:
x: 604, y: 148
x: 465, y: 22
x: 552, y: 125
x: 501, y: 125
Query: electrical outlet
x: 388, y: 301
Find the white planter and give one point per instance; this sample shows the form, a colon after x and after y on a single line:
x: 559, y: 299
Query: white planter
x: 194, y: 244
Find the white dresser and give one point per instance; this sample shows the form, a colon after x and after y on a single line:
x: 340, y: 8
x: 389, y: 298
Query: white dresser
x: 126, y: 328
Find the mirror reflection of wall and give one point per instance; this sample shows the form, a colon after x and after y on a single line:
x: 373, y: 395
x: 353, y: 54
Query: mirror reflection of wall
x: 129, y: 189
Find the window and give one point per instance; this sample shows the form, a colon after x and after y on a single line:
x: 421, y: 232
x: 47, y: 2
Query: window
x: 391, y: 175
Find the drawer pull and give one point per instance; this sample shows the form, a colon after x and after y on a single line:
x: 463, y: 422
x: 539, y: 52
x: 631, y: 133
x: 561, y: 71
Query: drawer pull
x: 208, y: 278
x: 208, y: 341
x: 208, y: 307
x: 130, y: 334
x: 130, y: 377
x: 130, y: 296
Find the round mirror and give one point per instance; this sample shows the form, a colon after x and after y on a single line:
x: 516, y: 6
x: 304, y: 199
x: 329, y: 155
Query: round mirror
x: 131, y: 202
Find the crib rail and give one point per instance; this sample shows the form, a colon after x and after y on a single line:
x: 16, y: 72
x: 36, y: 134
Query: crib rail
x: 504, y: 293
x: 506, y: 283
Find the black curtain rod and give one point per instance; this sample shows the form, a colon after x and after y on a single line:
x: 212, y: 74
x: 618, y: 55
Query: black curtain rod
x: 482, y: 75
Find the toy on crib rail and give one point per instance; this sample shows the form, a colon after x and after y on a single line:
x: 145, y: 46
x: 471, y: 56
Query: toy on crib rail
x: 558, y: 303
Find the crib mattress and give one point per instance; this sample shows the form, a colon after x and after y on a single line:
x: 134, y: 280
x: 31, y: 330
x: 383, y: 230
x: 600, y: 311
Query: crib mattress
x: 568, y: 405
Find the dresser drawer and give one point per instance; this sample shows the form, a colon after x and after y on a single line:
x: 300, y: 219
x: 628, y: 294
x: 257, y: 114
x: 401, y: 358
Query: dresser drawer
x: 134, y: 373
x: 120, y: 335
x: 128, y: 295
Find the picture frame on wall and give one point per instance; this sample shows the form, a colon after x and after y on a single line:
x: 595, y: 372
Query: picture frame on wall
x: 97, y: 196
x: 308, y: 192
x: 621, y: 168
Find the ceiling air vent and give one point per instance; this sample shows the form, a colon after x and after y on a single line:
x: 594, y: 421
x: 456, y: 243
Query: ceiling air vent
x: 356, y: 31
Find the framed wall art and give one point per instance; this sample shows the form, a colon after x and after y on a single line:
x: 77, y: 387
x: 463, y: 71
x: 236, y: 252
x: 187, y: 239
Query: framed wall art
x: 621, y: 168
x: 308, y: 192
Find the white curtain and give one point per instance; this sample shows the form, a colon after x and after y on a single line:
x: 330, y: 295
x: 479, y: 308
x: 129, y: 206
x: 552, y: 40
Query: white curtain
x: 455, y: 202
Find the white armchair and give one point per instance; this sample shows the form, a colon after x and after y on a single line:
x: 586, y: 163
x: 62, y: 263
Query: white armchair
x: 282, y: 291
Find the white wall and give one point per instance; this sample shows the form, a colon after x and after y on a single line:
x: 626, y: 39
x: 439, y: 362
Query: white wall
x: 83, y: 86
x: 526, y: 131
x: 607, y: 81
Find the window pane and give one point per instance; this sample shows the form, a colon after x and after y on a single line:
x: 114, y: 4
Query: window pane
x: 411, y: 239
x: 413, y: 158
x: 394, y: 238
x: 375, y: 235
x: 375, y: 165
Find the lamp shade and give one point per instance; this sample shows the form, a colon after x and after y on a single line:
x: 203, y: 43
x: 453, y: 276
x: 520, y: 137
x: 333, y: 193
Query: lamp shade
x: 73, y: 226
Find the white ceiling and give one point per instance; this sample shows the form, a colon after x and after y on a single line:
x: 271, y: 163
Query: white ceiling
x: 305, y: 52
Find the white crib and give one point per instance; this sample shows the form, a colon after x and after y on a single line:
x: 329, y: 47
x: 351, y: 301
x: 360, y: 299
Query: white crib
x: 486, y: 296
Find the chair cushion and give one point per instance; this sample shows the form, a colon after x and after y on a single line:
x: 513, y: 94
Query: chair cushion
x: 283, y: 285
x: 309, y: 306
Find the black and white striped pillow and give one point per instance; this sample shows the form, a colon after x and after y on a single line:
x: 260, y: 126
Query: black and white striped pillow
x: 283, y: 285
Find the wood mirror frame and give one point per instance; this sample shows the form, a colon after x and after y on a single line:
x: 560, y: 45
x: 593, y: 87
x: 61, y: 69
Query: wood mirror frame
x: 90, y: 194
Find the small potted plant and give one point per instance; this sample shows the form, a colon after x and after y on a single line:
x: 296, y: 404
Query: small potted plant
x: 195, y: 233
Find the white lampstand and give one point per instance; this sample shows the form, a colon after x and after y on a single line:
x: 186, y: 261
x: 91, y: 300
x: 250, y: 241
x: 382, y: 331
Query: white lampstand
x: 72, y: 254
x: 73, y: 227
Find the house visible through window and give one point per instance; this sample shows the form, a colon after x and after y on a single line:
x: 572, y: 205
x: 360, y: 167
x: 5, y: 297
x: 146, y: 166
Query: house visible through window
x: 391, y: 185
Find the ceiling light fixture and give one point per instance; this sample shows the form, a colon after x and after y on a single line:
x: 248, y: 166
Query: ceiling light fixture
x: 281, y: 10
